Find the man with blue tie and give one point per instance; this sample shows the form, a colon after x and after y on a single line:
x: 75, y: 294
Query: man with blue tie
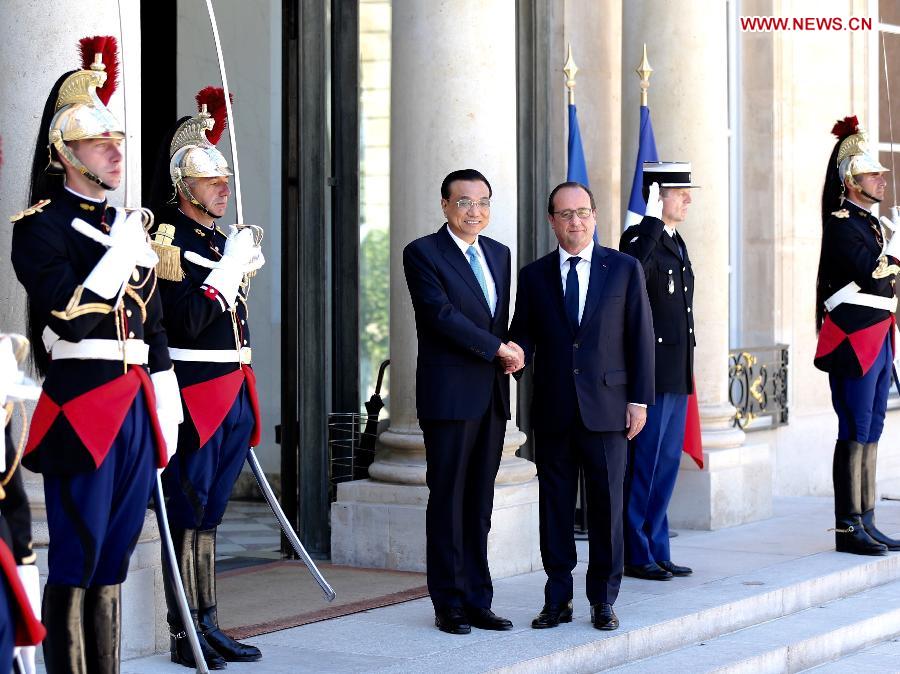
x: 459, y: 284
x: 583, y: 316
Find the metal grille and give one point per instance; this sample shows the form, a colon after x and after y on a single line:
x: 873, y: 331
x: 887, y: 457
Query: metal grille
x: 758, y: 386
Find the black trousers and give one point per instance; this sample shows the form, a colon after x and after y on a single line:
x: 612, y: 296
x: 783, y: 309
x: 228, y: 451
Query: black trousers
x: 602, y: 457
x: 462, y: 461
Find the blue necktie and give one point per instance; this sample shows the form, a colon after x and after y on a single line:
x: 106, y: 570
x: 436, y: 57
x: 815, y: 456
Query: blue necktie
x: 479, y: 275
x: 572, y: 292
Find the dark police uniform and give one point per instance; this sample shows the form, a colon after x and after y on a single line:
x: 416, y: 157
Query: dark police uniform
x: 655, y: 454
x: 94, y: 433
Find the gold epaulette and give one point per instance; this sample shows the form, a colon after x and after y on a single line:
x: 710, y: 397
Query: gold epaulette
x: 843, y: 213
x: 169, y: 266
x: 31, y: 210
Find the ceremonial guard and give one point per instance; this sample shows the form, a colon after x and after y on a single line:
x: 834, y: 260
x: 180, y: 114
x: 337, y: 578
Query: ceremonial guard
x: 110, y: 398
x: 15, y: 515
x: 655, y: 454
x: 855, y: 305
x: 204, y: 279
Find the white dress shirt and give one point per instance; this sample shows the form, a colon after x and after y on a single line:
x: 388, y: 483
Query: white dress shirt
x: 582, y: 268
x: 488, y: 279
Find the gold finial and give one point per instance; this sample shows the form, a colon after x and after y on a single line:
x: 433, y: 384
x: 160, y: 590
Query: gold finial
x: 643, y: 71
x: 98, y: 62
x: 570, y: 69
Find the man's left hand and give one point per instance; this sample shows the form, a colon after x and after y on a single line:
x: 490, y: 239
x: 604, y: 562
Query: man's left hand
x: 635, y: 418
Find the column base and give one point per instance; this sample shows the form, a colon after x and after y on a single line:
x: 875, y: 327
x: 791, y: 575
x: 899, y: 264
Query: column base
x: 734, y: 487
x: 381, y: 525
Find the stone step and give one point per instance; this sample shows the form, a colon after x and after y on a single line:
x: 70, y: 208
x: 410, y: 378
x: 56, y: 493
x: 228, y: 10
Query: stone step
x: 655, y: 624
x: 878, y: 659
x: 796, y: 642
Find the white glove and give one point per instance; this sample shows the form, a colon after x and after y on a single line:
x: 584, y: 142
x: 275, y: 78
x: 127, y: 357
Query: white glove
x: 240, y: 253
x: 128, y: 241
x: 654, y: 204
x: 168, y: 407
x: 31, y: 581
x: 9, y: 367
x: 2, y: 439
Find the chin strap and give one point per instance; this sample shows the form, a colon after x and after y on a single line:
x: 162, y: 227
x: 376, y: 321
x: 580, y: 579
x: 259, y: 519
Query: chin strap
x: 70, y: 157
x: 186, y: 191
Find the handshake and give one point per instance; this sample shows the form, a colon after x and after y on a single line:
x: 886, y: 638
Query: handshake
x: 511, y: 356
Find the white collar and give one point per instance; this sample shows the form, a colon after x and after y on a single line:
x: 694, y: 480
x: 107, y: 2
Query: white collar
x: 83, y: 196
x: 669, y: 230
x: 585, y: 254
x: 463, y: 245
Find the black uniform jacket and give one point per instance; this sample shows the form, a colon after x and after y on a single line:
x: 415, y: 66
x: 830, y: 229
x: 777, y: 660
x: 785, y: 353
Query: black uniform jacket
x: 84, y: 401
x: 196, y: 317
x: 851, y: 335
x: 670, y: 287
x: 600, y: 367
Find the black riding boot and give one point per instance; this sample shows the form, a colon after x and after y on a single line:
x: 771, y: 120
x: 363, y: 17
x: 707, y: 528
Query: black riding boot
x: 870, y: 455
x: 62, y: 612
x: 228, y: 648
x: 103, y: 627
x: 849, y: 533
x: 179, y: 645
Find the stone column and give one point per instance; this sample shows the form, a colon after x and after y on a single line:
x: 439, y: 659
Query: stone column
x: 687, y: 48
x: 453, y: 105
x: 43, y: 47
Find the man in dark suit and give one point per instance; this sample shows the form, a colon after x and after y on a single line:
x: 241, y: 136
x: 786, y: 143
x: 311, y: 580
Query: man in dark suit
x: 459, y: 284
x: 654, y: 457
x: 582, y: 315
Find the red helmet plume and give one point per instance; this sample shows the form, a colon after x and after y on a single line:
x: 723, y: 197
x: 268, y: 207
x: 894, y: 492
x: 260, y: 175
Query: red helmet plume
x: 214, y: 99
x: 845, y: 127
x: 109, y: 48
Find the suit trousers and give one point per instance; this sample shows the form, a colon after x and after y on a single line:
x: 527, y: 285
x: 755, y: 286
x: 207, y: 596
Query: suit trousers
x: 861, y: 403
x: 462, y: 458
x: 601, y: 455
x: 653, y: 460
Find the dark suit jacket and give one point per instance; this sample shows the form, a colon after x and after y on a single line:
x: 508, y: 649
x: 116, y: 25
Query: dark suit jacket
x: 458, y: 338
x: 673, y: 313
x: 606, y: 363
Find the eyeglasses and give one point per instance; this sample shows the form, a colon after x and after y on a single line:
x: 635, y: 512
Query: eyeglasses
x: 466, y: 204
x: 580, y: 212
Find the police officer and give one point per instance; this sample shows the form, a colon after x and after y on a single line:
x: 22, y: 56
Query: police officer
x: 655, y: 454
x: 97, y: 337
x: 855, y: 305
x: 204, y: 280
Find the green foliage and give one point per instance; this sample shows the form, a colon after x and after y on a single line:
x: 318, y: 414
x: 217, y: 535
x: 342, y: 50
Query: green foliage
x: 374, y: 306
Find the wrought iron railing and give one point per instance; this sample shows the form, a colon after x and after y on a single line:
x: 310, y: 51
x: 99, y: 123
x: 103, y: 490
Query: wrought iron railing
x: 758, y: 386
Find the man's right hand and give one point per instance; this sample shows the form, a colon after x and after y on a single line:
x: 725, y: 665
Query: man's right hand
x: 654, y: 203
x: 511, y: 356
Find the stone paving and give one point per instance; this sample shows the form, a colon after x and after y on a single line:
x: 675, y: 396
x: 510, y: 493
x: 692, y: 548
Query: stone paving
x: 728, y: 564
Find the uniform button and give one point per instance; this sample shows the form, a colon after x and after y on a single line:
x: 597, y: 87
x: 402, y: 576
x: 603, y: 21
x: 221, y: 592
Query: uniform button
x: 243, y: 321
x: 689, y: 330
x: 689, y: 310
x: 130, y: 335
x: 245, y: 342
x: 659, y: 340
x: 670, y: 271
x: 683, y: 268
x: 576, y: 345
x: 128, y: 313
x: 136, y: 275
x: 576, y: 371
x: 685, y: 289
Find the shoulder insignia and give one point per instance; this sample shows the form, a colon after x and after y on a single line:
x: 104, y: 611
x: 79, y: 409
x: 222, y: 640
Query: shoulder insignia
x: 219, y: 230
x: 169, y: 266
x: 884, y: 268
x: 843, y: 213
x: 31, y: 210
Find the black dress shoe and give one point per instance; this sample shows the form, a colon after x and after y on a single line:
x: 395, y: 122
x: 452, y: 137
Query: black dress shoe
x: 486, y: 619
x: 603, y: 617
x: 651, y: 571
x: 552, y: 615
x: 674, y: 569
x: 452, y: 620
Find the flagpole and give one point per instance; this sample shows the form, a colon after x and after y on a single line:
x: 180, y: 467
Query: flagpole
x: 644, y: 71
x: 570, y: 69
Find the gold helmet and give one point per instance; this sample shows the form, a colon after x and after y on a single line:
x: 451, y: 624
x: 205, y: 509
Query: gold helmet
x: 80, y: 112
x: 853, y: 155
x: 193, y: 152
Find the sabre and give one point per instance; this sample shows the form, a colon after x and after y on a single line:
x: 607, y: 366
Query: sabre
x: 286, y: 526
x: 184, y: 610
